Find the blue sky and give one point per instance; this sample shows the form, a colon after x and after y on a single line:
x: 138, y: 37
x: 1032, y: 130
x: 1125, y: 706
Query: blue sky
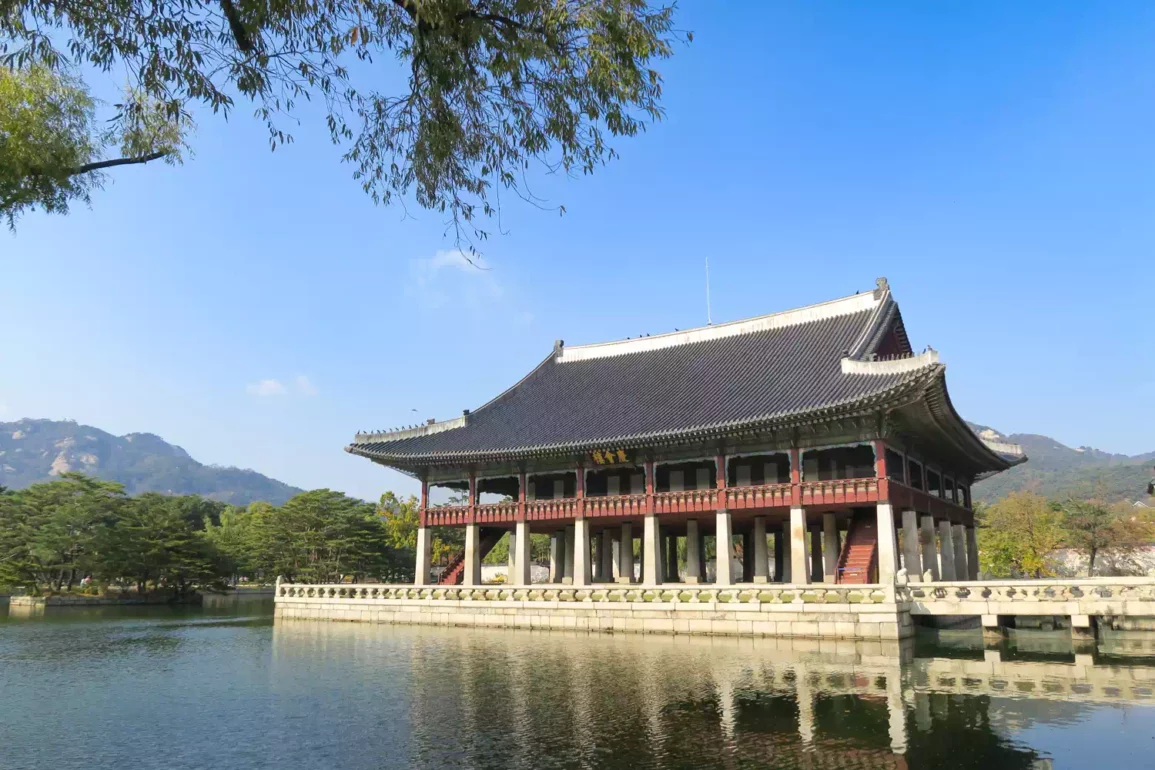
x: 995, y: 161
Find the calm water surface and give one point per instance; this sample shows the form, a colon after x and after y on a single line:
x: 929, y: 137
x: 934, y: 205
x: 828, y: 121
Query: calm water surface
x: 225, y: 687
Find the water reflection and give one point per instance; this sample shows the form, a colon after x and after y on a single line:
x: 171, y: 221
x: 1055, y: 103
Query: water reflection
x: 184, y: 688
x: 507, y: 698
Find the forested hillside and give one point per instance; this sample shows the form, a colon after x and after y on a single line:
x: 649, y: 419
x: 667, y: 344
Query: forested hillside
x: 1057, y: 471
x: 41, y: 450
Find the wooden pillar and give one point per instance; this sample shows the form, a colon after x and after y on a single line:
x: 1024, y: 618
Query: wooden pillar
x: 521, y: 496
x: 424, y: 501
x: 472, y: 516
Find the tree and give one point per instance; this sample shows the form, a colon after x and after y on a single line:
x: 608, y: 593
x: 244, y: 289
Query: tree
x: 231, y: 537
x: 154, y: 542
x: 1097, y: 529
x: 1016, y: 534
x: 492, y: 88
x: 53, y: 529
x: 51, y: 149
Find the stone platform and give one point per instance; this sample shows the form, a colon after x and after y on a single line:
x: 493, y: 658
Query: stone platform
x: 807, y: 611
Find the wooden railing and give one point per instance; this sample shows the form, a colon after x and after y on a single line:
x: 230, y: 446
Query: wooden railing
x: 839, y: 491
x: 447, y: 515
x: 545, y: 510
x: 496, y: 513
x: 902, y: 496
x: 761, y: 496
x: 615, y: 505
x: 833, y: 492
x: 689, y: 501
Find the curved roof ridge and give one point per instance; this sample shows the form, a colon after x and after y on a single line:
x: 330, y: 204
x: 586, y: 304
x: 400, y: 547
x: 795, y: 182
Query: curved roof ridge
x: 854, y: 303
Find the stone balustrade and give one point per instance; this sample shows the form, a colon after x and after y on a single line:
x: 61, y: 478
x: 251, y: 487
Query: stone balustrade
x: 1069, y: 596
x: 816, y: 611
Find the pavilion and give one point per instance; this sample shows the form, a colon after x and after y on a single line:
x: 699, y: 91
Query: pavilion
x: 806, y: 445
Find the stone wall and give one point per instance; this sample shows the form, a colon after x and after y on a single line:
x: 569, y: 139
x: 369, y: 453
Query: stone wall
x: 864, y: 612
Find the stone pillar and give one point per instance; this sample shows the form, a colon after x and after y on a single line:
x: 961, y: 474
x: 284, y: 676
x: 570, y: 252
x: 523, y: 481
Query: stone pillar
x: 472, y: 575
x: 606, y: 556
x: 798, y: 571
x: 557, y: 556
x: 510, y: 558
x: 672, y: 558
x: 567, y: 576
x: 887, y: 546
x: 929, y: 552
x: 910, y: 546
x: 693, y: 563
x: 816, y: 575
x: 747, y: 557
x: 581, y: 553
x: 651, y: 558
x: 521, y: 539
x: 961, y: 568
x: 724, y: 575
x: 831, y: 548
x: 424, y: 556
x: 780, y: 564
x: 972, y: 555
x: 946, y: 551
x: 761, y: 562
x: 626, y: 554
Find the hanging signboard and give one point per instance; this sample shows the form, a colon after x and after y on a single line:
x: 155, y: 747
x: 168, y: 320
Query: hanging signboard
x: 609, y: 456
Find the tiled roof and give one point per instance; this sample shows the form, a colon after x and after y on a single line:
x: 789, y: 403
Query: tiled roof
x: 772, y: 370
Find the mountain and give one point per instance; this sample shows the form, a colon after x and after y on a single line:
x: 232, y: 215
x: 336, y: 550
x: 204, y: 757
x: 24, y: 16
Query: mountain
x: 39, y: 450
x: 1057, y: 471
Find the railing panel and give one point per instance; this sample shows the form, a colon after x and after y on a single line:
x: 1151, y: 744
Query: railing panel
x: 447, y: 515
x: 839, y: 492
x: 688, y: 501
x: 760, y: 496
x: 493, y: 513
x: 615, y: 506
x: 547, y: 510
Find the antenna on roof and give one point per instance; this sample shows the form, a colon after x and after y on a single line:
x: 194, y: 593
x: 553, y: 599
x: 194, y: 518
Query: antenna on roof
x: 709, y: 321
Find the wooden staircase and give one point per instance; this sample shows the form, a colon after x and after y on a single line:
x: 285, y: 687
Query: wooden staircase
x: 454, y: 573
x: 858, y: 562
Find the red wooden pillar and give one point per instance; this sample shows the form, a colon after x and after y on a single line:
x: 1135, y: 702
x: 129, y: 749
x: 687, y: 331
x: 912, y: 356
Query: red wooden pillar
x: 795, y: 478
x: 905, y: 469
x: 580, y: 492
x: 880, y: 471
x: 720, y: 480
x: 649, y: 469
x: 424, y: 500
x: 471, y: 518
x: 521, y: 496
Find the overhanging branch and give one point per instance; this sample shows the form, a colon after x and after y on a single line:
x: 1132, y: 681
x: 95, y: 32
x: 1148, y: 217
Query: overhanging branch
x: 102, y: 164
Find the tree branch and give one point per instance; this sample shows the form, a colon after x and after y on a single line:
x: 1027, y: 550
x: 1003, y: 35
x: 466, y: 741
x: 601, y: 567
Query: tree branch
x: 87, y: 167
x: 240, y: 34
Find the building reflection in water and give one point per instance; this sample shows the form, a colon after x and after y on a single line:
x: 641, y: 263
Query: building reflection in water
x: 505, y: 698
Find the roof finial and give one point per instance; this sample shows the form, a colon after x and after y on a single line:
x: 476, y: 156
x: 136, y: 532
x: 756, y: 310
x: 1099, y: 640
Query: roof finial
x: 883, y: 287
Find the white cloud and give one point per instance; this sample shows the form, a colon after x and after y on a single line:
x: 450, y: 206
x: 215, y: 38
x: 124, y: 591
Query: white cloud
x: 266, y: 388
x: 305, y: 386
x: 448, y: 279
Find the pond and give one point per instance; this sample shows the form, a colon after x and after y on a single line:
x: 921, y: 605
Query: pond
x: 225, y: 687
